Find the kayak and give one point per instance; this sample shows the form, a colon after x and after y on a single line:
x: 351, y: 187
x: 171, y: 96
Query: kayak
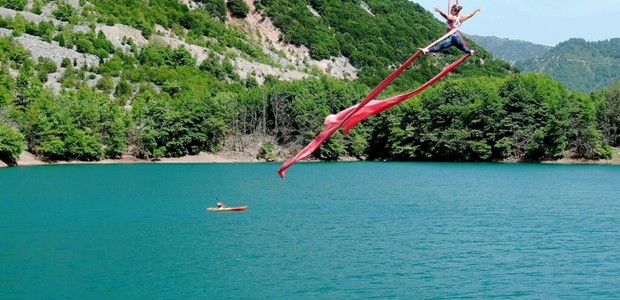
x: 226, y: 208
x: 239, y: 208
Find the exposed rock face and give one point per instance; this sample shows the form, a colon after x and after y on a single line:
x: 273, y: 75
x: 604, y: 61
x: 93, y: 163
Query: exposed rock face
x: 262, y: 29
x: 39, y: 48
x: 292, y: 61
x: 116, y: 33
x: 5, y: 12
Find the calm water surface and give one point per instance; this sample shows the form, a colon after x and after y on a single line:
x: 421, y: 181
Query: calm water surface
x: 327, y: 231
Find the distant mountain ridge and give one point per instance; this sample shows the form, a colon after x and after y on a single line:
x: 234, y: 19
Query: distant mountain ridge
x: 509, y: 50
x: 580, y: 65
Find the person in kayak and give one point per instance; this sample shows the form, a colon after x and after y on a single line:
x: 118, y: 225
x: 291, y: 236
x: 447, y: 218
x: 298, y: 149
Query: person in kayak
x: 454, y: 20
x: 220, y: 204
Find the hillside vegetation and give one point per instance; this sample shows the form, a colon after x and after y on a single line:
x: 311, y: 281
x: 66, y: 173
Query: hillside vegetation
x: 376, y: 39
x: 192, y: 79
x: 509, y: 50
x: 580, y: 65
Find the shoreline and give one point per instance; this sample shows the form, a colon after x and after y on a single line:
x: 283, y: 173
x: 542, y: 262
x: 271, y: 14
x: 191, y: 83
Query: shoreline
x: 29, y: 159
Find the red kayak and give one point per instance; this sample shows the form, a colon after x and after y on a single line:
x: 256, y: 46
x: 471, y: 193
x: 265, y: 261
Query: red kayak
x: 226, y: 208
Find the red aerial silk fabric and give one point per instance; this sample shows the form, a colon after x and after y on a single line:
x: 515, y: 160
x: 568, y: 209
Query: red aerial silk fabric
x: 308, y: 150
x: 304, y: 153
x: 355, y: 114
x: 378, y: 106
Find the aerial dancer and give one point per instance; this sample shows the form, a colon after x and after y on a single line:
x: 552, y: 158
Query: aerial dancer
x: 349, y: 117
x: 454, y: 20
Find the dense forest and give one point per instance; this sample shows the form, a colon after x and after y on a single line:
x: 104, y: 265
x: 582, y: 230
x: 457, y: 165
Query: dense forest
x: 582, y: 66
x: 159, y: 101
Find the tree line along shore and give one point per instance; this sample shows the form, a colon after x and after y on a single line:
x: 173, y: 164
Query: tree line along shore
x: 158, y: 102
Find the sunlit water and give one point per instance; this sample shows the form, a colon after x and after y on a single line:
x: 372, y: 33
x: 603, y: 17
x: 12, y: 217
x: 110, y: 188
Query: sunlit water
x: 327, y: 231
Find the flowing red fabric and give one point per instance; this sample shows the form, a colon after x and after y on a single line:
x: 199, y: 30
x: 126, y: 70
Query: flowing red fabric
x: 354, y: 114
x: 345, y: 115
x: 304, y: 153
x: 378, y: 106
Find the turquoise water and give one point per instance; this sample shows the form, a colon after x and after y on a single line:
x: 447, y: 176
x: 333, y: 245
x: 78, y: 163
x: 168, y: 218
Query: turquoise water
x: 328, y: 231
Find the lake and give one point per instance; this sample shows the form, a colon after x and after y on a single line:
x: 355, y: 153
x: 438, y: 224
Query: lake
x: 355, y: 230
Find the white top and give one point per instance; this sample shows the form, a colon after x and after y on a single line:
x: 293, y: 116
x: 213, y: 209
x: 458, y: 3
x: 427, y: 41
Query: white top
x: 456, y: 23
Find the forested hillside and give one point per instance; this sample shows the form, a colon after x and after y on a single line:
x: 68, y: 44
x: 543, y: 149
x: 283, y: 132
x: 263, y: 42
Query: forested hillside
x: 374, y: 34
x: 87, y: 80
x: 580, y: 65
x: 509, y: 50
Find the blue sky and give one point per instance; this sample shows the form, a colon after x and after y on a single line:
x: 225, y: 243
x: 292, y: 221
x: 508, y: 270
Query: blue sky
x: 545, y: 22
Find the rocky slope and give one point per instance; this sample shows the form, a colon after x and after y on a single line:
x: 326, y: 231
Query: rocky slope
x: 291, y: 62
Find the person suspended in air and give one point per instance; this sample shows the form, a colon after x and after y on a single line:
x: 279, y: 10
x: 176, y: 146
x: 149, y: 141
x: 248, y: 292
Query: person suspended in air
x: 370, y: 106
x: 454, y: 20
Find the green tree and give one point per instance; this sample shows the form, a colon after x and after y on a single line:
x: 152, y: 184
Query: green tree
x: 213, y: 65
x: 45, y: 30
x: 333, y: 148
x: 123, y: 88
x: 536, y: 120
x: 216, y: 8
x: 454, y: 121
x: 7, y: 87
x: 266, y: 152
x: 19, y: 25
x: 13, y: 4
x: 356, y: 143
x: 11, y: 144
x: 67, y: 126
x: 585, y: 140
x: 238, y: 8
x: 45, y: 66
x: 105, y: 84
x: 117, y: 138
x: 608, y: 113
x: 155, y: 55
x: 64, y: 12
x: 84, y: 45
x: 101, y: 42
x: 182, y: 57
x: 37, y: 7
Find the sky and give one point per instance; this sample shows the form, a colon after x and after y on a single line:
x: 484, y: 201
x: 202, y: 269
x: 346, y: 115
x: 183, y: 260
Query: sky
x: 545, y: 22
